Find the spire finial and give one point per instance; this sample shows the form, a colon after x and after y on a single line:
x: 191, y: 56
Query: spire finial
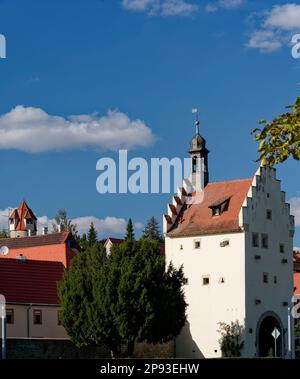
x: 197, y: 122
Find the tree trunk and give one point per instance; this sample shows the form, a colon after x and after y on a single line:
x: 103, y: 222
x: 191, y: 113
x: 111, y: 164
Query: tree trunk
x: 130, y: 348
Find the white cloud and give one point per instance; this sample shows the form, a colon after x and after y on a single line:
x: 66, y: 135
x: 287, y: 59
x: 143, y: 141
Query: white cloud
x: 33, y: 130
x: 295, y: 209
x: 296, y: 248
x: 230, y: 4
x: 211, y: 8
x: 161, y: 7
x: 105, y: 227
x: 276, y: 28
x: 265, y: 41
x: 4, y: 218
x: 285, y: 17
x: 225, y: 4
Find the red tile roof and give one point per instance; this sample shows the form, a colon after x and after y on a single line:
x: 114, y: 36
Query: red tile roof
x: 198, y: 219
x: 30, y: 282
x: 23, y: 212
x: 48, y: 239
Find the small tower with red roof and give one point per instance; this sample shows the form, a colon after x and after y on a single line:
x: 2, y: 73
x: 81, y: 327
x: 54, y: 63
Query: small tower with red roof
x: 22, y: 222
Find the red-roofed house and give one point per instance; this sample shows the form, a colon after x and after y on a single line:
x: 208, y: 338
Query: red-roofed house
x: 30, y: 290
x: 53, y: 247
x: 234, y: 240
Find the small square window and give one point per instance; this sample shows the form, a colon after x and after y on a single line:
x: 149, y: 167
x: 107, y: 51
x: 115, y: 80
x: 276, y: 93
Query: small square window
x: 264, y: 241
x: 281, y: 248
x: 197, y: 244
x: 255, y: 239
x: 205, y: 280
x: 265, y: 277
x: 37, y: 317
x: 10, y: 316
x: 269, y: 214
x: 224, y: 243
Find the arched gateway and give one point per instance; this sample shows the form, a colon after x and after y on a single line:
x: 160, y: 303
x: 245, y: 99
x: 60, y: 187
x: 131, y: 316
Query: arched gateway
x: 265, y: 341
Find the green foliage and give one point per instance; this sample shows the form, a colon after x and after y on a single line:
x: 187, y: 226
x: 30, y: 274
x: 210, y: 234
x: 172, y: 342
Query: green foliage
x: 152, y: 230
x: 82, y: 241
x: 280, y: 138
x: 77, y: 298
x: 92, y: 235
x: 3, y: 234
x: 61, y: 218
x: 231, y: 342
x: 126, y: 297
x: 129, y: 231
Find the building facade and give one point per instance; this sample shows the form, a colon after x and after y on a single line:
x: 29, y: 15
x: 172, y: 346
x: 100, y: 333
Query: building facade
x: 235, y: 241
x: 32, y: 306
x: 53, y: 247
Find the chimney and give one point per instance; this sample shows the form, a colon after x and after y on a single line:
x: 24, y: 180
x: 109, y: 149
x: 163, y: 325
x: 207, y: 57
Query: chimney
x: 21, y: 258
x: 45, y: 230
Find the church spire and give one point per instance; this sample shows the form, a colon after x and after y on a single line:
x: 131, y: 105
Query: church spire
x: 199, y: 158
x: 197, y: 122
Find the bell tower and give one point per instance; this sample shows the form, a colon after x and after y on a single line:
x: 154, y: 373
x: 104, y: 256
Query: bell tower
x: 198, y: 152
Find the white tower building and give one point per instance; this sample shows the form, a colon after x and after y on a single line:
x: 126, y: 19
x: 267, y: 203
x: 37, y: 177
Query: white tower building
x: 235, y: 244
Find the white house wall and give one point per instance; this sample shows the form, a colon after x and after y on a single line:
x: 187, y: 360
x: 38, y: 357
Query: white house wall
x: 213, y: 303
x: 266, y: 195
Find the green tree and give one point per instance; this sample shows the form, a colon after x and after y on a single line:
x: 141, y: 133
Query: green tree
x: 3, y: 234
x: 82, y: 241
x: 66, y: 224
x: 280, y: 138
x: 231, y: 342
x: 129, y: 231
x: 92, y: 235
x: 152, y: 230
x: 123, y: 298
x: 84, y: 294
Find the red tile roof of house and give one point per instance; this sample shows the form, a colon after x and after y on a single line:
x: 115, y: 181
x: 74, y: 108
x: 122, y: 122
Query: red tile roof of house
x: 198, y: 219
x: 48, y: 239
x: 30, y: 282
x: 23, y: 212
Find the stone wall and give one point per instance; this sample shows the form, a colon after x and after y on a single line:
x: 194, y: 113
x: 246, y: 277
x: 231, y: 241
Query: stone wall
x: 64, y: 349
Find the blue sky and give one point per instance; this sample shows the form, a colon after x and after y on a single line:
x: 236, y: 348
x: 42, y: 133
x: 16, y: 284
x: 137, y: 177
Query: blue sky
x: 143, y: 64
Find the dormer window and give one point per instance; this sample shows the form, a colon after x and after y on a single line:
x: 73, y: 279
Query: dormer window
x: 220, y: 206
x: 216, y: 211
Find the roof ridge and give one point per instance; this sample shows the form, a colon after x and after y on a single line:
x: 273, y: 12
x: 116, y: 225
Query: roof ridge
x: 230, y: 181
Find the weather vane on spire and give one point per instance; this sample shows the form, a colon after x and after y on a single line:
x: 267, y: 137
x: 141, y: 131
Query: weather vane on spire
x: 197, y: 122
